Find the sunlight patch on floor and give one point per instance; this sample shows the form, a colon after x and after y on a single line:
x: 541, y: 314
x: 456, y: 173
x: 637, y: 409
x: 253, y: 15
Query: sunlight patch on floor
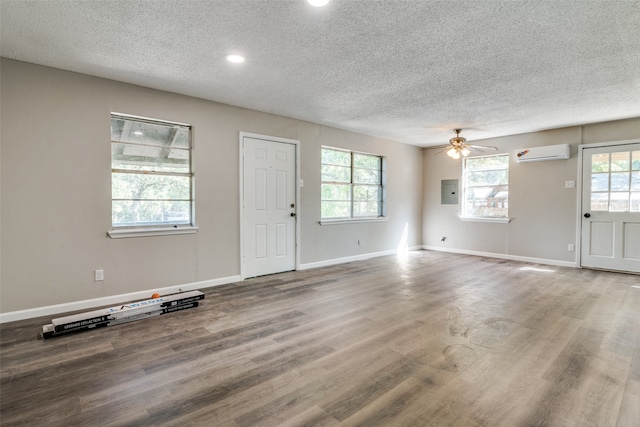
x: 541, y: 270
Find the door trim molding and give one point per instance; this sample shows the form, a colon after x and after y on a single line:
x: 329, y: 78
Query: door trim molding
x: 294, y: 142
x: 581, y: 148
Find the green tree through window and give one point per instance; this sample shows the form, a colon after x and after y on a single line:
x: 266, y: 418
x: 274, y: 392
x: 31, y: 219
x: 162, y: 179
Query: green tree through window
x: 352, y: 185
x: 151, y: 177
x: 486, y: 186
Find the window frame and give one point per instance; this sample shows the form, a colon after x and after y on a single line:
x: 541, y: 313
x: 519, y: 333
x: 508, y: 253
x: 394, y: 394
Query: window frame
x: 612, y: 169
x: 381, y: 216
x: 154, y: 229
x: 484, y: 218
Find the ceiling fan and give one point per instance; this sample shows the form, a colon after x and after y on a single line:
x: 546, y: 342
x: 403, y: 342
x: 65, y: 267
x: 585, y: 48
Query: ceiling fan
x: 459, y: 147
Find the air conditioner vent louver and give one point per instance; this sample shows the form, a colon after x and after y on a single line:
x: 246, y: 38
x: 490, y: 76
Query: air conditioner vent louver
x: 541, y: 154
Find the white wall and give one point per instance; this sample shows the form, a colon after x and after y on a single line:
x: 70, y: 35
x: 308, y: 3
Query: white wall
x: 56, y: 188
x: 544, y: 213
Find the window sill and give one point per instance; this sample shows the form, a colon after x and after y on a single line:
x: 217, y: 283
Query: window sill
x: 478, y: 219
x: 352, y: 220
x: 144, y: 232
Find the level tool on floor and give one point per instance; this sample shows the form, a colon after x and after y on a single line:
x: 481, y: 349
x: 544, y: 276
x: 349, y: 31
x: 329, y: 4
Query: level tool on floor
x: 124, y: 313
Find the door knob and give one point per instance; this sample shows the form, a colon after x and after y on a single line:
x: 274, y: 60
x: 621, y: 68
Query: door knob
x: 587, y: 215
x: 293, y: 214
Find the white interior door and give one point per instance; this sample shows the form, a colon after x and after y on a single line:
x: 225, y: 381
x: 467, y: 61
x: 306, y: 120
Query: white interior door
x: 269, y: 206
x: 611, y: 207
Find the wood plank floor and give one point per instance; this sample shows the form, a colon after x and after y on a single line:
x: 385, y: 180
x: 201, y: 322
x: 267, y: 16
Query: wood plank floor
x: 431, y: 339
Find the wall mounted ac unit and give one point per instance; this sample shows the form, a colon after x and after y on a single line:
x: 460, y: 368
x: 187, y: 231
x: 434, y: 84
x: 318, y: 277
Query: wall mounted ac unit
x: 541, y: 154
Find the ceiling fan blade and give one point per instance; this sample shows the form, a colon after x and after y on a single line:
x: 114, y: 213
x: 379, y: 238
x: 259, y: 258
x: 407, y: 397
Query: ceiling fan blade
x: 470, y: 147
x: 435, y: 147
x: 485, y: 147
x: 442, y: 151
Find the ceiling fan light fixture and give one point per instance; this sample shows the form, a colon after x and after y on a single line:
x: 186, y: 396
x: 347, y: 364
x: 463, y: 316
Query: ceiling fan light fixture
x: 458, y: 140
x: 458, y: 147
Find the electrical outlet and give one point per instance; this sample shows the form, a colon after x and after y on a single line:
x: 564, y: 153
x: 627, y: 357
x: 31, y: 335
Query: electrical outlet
x: 571, y: 247
x: 99, y: 275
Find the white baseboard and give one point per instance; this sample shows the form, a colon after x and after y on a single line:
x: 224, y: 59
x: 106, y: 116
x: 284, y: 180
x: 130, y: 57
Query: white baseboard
x: 504, y: 256
x: 361, y: 257
x: 49, y: 310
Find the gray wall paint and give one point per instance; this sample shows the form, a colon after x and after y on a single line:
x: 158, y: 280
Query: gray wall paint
x: 56, y: 189
x: 544, y: 213
x: 404, y: 188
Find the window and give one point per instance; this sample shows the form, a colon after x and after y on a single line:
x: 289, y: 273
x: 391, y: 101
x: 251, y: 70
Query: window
x: 615, y: 181
x: 485, y: 186
x: 352, y: 185
x: 151, y: 176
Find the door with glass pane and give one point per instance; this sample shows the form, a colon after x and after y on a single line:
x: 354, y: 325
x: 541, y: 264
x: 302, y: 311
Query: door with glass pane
x: 611, y: 207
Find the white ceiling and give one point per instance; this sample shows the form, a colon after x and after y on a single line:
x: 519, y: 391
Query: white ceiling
x: 406, y: 70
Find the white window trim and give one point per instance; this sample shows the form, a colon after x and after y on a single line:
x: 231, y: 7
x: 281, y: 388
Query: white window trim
x: 489, y: 219
x: 352, y: 220
x: 144, y: 231
x: 158, y: 231
x: 383, y: 184
x: 498, y: 220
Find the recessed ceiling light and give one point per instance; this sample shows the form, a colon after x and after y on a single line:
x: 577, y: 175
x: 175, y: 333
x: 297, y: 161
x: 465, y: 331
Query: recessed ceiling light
x: 318, y: 3
x: 236, y: 59
x: 138, y: 132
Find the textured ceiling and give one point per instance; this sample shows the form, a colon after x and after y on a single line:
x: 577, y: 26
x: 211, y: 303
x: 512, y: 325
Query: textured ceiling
x: 406, y: 70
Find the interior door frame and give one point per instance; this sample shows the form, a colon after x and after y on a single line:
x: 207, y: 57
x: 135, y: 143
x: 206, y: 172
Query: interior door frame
x: 296, y: 144
x: 579, y: 221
